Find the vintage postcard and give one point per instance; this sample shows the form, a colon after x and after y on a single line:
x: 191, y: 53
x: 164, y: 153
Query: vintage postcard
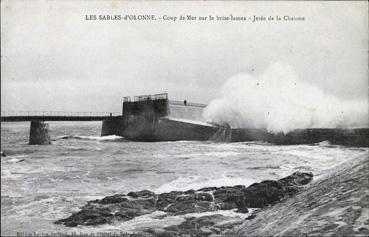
x: 184, y: 118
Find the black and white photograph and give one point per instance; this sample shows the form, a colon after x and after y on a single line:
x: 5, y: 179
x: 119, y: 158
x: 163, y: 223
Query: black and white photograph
x: 184, y: 118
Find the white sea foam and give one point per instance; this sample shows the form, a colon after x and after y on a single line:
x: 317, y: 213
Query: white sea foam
x: 14, y: 160
x: 324, y: 143
x: 210, y: 154
x: 279, y: 101
x: 103, y: 138
x: 197, y: 182
x: 6, y: 173
x: 229, y: 213
x: 97, y: 138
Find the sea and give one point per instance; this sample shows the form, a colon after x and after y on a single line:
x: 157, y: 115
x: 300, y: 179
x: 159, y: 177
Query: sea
x: 43, y: 183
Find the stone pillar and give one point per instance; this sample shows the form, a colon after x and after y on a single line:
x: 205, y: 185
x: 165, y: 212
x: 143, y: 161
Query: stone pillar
x: 39, y: 133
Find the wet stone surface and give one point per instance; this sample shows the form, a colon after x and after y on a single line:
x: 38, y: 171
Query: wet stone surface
x: 335, y: 205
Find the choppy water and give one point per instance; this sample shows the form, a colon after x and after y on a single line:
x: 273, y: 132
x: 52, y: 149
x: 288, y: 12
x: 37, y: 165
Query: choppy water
x: 40, y: 184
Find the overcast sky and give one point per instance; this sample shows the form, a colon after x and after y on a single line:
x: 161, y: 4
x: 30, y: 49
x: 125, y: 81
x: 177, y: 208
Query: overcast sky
x: 54, y: 59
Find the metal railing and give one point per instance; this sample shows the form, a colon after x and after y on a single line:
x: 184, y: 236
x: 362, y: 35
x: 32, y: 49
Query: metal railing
x: 58, y: 113
x: 181, y: 103
x: 127, y: 99
x: 162, y: 96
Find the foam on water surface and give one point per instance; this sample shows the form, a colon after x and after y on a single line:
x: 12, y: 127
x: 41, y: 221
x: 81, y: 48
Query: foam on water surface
x: 97, y: 138
x: 197, y: 182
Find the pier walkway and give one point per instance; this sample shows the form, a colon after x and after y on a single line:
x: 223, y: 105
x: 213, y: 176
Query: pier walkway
x: 21, y: 116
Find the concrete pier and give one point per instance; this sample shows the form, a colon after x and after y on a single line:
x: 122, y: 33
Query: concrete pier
x: 39, y: 133
x: 111, y: 126
x: 149, y: 118
x: 224, y: 134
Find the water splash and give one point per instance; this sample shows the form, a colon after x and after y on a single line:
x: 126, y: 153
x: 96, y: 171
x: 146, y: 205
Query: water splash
x: 279, y: 101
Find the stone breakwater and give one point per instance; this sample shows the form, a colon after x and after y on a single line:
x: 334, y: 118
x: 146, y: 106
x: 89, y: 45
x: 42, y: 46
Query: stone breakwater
x: 336, y: 204
x: 124, y: 207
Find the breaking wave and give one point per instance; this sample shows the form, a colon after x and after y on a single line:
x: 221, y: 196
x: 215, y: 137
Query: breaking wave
x: 279, y: 101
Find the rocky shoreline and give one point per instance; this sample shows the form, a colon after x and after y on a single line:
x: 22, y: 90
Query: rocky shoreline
x: 336, y: 204
x: 124, y: 207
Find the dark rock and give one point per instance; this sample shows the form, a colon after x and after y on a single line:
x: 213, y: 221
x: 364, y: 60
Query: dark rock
x: 231, y: 195
x: 100, y: 212
x: 3, y: 154
x: 297, y: 179
x: 199, y: 226
x: 165, y: 199
x: 185, y: 198
x: 250, y: 217
x: 86, y: 217
x: 190, y: 203
x: 225, y: 205
x: 191, y: 191
x: 137, y: 207
x: 203, y: 197
x: 208, y: 189
x: 262, y: 194
x: 242, y: 210
x: 126, y: 207
x: 123, y: 216
x: 98, y: 220
x: 269, y: 192
x: 142, y: 194
x: 113, y: 199
x: 189, y: 206
x: 71, y: 224
x: 162, y: 232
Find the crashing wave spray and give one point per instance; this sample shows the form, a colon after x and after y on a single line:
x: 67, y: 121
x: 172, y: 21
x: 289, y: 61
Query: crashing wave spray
x: 279, y: 101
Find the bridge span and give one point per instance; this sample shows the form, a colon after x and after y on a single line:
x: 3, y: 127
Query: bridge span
x: 39, y: 131
x: 22, y: 116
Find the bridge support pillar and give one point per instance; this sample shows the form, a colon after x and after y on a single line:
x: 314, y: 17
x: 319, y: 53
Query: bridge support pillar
x: 39, y: 133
